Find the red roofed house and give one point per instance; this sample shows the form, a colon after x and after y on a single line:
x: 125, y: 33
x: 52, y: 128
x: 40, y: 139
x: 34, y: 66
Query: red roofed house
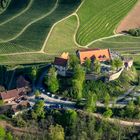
x: 11, y: 95
x: 61, y: 64
x: 92, y: 54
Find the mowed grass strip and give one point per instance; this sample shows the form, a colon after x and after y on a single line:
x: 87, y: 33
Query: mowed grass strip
x: 14, y: 8
x: 98, y: 19
x: 122, y: 44
x: 25, y: 58
x: 61, y: 38
x: 14, y: 27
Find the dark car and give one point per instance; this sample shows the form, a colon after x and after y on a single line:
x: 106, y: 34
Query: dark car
x: 56, y: 97
x: 64, y: 99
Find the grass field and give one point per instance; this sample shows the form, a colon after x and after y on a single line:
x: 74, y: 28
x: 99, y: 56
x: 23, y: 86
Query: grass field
x: 98, y: 19
x: 25, y: 58
x: 122, y: 44
x: 61, y: 38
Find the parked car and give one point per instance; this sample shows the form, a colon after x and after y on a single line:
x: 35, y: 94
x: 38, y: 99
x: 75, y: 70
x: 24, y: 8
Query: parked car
x: 64, y: 99
x: 56, y: 97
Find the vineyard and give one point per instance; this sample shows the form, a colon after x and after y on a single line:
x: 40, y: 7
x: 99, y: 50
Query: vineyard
x: 101, y: 19
x: 33, y: 31
x: 28, y: 31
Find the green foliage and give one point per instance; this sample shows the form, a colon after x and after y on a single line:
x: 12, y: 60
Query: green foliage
x: 2, y: 133
x: 117, y: 63
x: 56, y: 132
x: 97, y: 66
x: 70, y: 117
x: 19, y: 121
x: 87, y: 65
x: 106, y: 100
x: 77, y: 81
x: 33, y: 73
x: 9, y: 136
x: 37, y: 93
x: 79, y: 73
x: 74, y: 61
x: 108, y: 113
x: 1, y: 102
x: 91, y: 102
x: 38, y: 112
x: 134, y: 32
x: 77, y: 89
x: 51, y: 80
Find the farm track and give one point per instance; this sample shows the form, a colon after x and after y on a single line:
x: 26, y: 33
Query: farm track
x: 103, y: 39
x: 55, y: 24
x: 17, y: 15
x: 38, y: 19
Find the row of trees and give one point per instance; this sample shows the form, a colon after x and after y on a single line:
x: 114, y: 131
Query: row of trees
x: 134, y: 32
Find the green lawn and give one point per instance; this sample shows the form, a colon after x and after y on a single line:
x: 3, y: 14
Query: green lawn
x: 99, y: 18
x: 61, y: 39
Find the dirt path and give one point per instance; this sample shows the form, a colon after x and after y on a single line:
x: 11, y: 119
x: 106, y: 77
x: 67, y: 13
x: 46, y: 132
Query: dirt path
x: 132, y: 20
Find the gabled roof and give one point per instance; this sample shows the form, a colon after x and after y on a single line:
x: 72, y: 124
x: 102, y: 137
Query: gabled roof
x: 99, y: 54
x: 60, y: 61
x: 15, y: 93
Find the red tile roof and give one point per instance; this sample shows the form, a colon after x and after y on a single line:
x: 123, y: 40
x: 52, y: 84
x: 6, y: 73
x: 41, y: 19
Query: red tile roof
x: 99, y: 54
x: 15, y: 93
x: 60, y: 61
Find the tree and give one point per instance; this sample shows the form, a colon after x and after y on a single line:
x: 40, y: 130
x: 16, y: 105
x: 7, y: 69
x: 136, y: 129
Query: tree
x: 37, y: 93
x: 106, y: 100
x: 108, y: 113
x: 9, y: 136
x: 79, y: 73
x: 77, y: 89
x: 56, y: 132
x: 38, y: 111
x: 130, y: 108
x: 96, y: 66
x: 2, y: 133
x: 77, y: 81
x: 74, y: 61
x: 87, y: 65
x: 1, y: 102
x: 91, y: 102
x: 33, y: 73
x: 117, y: 63
x: 70, y: 117
x: 51, y: 80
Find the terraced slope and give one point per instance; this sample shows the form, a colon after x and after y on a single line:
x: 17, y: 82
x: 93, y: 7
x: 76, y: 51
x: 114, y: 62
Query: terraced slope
x: 99, y: 18
x: 29, y: 31
x: 14, y: 9
x: 13, y: 28
x: 123, y: 44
